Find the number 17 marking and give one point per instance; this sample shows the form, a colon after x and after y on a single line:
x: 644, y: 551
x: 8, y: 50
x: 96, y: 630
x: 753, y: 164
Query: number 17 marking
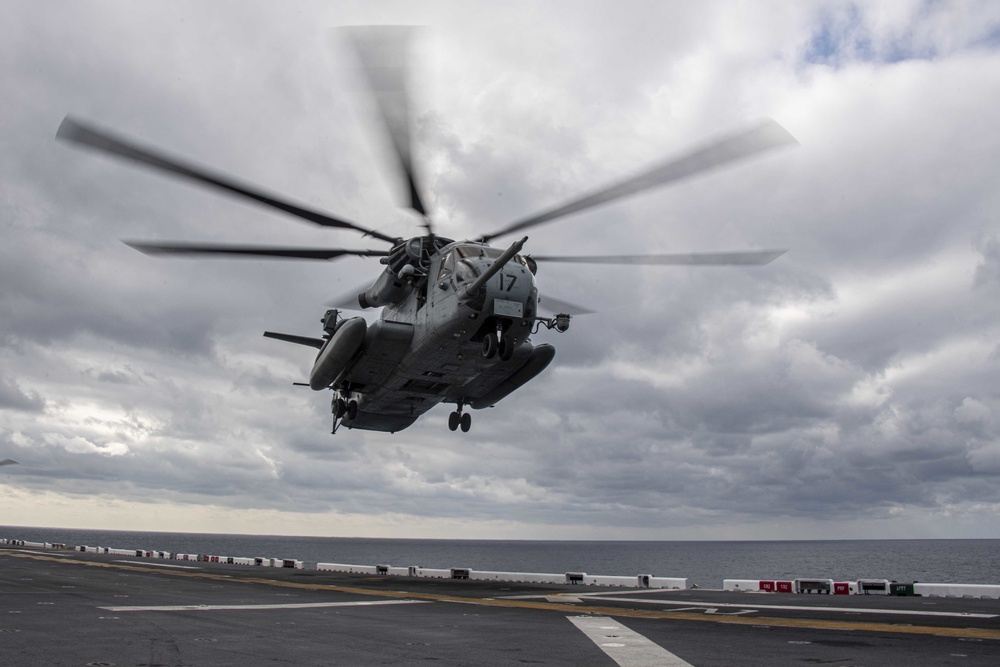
x: 509, y: 282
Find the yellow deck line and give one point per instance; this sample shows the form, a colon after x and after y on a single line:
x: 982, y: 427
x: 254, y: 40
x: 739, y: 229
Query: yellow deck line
x: 815, y: 624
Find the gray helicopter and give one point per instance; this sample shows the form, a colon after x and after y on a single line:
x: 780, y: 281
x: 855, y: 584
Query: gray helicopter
x: 457, y: 316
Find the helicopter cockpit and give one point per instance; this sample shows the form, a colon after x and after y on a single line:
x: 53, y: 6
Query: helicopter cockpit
x: 460, y: 261
x: 407, y: 264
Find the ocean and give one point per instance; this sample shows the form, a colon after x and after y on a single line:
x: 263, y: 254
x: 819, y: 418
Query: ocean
x: 703, y: 563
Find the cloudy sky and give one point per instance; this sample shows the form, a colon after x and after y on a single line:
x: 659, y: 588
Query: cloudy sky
x: 850, y: 389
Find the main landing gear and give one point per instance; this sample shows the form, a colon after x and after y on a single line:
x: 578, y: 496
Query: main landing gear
x: 342, y: 409
x: 460, y: 419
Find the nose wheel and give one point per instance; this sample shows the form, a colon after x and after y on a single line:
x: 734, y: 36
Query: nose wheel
x: 490, y: 345
x: 498, y: 343
x: 459, y: 419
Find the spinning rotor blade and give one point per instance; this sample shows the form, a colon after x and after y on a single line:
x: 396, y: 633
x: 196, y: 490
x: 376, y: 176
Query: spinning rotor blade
x: 754, y: 257
x: 8, y: 462
x: 249, y: 251
x: 348, y: 300
x: 763, y: 137
x: 554, y: 306
x: 92, y: 137
x: 384, y: 52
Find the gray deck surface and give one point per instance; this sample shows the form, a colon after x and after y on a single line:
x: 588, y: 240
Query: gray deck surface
x: 68, y: 608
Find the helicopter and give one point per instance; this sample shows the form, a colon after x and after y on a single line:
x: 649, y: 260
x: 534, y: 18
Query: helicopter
x: 457, y: 315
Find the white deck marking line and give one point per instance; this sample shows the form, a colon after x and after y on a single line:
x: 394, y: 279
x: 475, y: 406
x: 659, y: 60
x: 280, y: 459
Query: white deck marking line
x: 43, y: 553
x: 252, y: 607
x: 626, y: 647
x: 143, y: 562
x: 763, y: 607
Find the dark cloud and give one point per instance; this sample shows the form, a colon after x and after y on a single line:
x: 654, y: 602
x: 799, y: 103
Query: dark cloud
x: 12, y: 397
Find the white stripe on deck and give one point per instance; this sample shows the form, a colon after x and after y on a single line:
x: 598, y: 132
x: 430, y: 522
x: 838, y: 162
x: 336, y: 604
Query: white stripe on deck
x: 252, y: 607
x: 685, y: 605
x: 626, y: 647
x: 146, y: 562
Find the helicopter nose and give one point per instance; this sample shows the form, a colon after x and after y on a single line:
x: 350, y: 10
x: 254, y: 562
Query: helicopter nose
x: 512, y: 292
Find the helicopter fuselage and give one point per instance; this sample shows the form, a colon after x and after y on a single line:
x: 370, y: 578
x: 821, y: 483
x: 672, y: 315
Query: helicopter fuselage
x: 451, y: 337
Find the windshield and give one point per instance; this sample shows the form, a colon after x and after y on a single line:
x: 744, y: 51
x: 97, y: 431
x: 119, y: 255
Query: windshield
x: 473, y: 251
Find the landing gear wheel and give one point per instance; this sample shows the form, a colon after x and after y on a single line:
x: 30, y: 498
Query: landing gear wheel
x: 352, y: 410
x: 339, y: 407
x: 490, y: 345
x: 465, y: 421
x: 506, y: 348
x: 453, y: 420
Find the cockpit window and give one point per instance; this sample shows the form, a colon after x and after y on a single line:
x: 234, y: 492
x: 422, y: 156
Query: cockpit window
x: 465, y: 271
x: 477, y: 251
x: 447, y: 266
x: 470, y: 251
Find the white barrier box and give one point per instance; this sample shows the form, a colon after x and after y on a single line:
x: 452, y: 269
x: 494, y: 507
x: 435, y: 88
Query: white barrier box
x: 674, y: 583
x: 605, y: 580
x: 518, y: 577
x: 958, y: 590
x: 873, y: 587
x: 238, y: 560
x: 291, y: 563
x: 433, y: 573
x: 343, y: 567
x: 122, y: 552
x: 822, y: 586
x: 752, y: 585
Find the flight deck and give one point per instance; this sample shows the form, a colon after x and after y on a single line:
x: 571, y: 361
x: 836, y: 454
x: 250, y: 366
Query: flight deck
x: 72, y: 608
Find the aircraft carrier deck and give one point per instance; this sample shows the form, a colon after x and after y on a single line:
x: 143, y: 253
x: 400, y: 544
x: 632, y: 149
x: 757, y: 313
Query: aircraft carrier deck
x: 70, y: 608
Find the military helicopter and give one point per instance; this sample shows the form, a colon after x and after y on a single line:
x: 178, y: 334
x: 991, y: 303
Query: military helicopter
x: 457, y: 316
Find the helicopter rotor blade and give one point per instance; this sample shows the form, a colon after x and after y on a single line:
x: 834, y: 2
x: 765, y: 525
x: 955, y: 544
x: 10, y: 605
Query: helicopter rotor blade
x: 249, y: 250
x: 348, y: 300
x: 555, y: 305
x: 87, y: 135
x: 384, y: 54
x: 765, y: 136
x: 748, y: 258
